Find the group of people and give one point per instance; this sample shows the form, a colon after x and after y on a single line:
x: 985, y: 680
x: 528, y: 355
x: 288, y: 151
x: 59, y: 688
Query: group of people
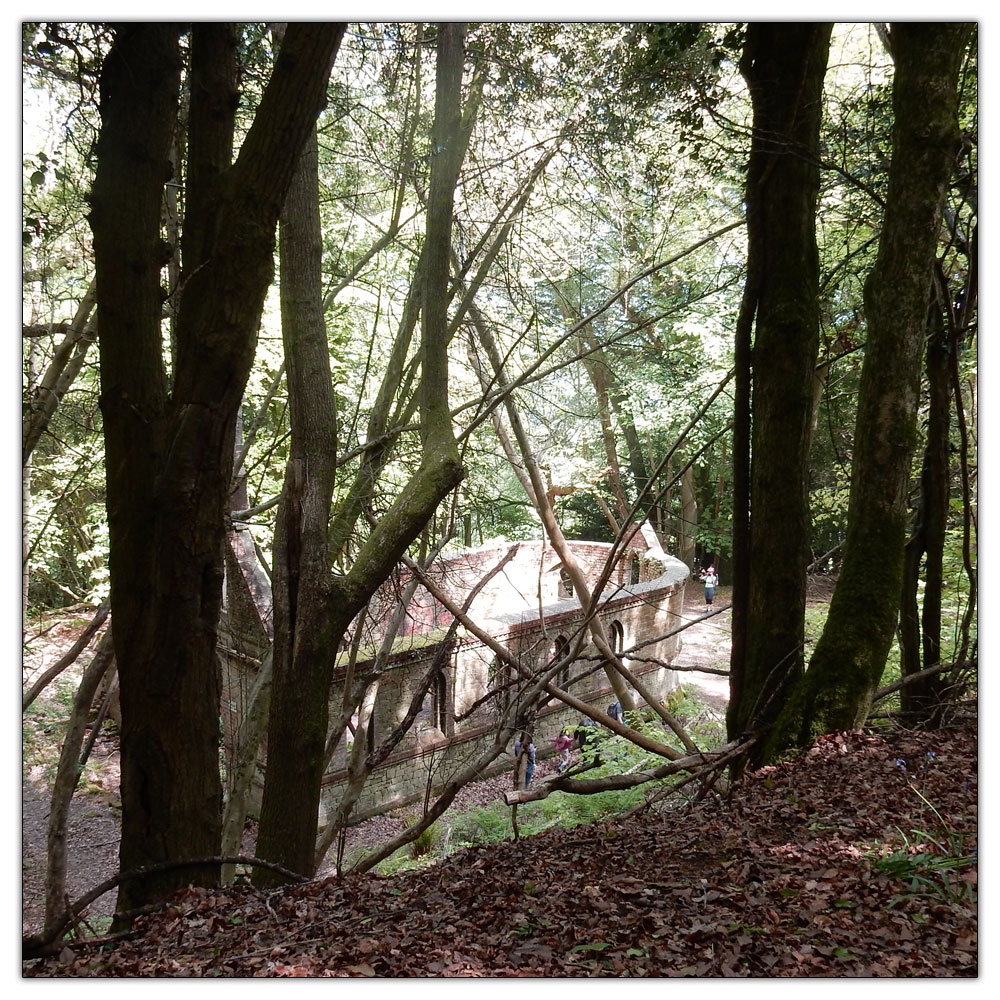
x: 586, y: 733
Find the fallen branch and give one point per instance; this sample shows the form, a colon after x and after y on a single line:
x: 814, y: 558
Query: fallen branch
x: 938, y: 668
x: 616, y: 782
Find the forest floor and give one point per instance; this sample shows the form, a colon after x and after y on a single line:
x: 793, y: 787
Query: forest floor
x: 857, y: 858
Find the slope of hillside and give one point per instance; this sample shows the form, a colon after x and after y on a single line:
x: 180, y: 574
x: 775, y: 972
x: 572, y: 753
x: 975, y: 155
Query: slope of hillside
x: 858, y: 858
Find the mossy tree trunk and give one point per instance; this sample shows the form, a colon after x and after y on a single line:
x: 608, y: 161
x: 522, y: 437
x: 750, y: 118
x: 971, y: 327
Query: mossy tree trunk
x: 835, y: 693
x: 306, y: 630
x: 784, y: 65
x: 313, y: 605
x: 169, y: 448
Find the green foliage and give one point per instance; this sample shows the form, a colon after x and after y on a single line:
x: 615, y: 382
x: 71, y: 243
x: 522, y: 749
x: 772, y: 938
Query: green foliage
x: 42, y: 726
x: 426, y: 840
x: 930, y: 864
x: 930, y: 867
x: 419, y: 853
x: 480, y: 826
x: 616, y: 756
x: 828, y: 508
x: 65, y: 527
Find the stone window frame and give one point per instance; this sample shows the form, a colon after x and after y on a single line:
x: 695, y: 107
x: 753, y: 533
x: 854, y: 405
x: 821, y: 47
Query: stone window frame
x: 443, y: 703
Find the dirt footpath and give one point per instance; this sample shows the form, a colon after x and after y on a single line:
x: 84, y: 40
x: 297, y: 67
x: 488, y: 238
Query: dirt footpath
x: 706, y: 645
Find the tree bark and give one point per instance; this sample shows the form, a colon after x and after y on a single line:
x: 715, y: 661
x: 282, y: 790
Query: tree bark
x: 688, y: 526
x: 314, y: 622
x: 306, y: 628
x: 169, y: 455
x: 920, y: 629
x: 836, y: 691
x: 784, y: 65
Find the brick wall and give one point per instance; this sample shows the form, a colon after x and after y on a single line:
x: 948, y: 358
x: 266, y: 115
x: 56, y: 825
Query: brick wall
x: 526, y: 608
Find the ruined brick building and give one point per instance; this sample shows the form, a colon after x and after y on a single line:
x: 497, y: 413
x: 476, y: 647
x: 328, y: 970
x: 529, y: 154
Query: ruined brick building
x: 529, y: 607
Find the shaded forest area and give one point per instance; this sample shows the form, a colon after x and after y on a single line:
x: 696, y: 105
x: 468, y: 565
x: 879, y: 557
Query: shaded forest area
x: 791, y: 878
x: 351, y: 297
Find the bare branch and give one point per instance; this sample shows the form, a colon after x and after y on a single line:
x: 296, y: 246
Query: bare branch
x: 68, y: 657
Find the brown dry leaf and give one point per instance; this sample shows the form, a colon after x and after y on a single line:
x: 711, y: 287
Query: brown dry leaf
x: 742, y: 888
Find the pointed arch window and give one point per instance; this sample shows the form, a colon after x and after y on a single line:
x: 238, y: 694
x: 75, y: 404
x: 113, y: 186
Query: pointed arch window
x: 616, y: 633
x: 436, y: 709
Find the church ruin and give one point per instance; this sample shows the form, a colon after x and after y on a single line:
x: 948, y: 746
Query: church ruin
x: 528, y: 606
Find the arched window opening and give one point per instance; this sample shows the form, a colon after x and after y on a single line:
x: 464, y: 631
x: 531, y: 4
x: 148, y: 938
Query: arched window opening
x: 441, y: 704
x: 616, y: 633
x: 635, y: 571
x: 498, y: 681
x: 565, y: 583
x: 559, y: 651
x: 436, y: 709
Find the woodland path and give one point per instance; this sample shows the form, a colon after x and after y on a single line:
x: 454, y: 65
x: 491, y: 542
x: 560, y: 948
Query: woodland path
x: 706, y: 645
x: 94, y: 829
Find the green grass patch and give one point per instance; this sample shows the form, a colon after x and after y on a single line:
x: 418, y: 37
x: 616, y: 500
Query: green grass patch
x: 560, y: 810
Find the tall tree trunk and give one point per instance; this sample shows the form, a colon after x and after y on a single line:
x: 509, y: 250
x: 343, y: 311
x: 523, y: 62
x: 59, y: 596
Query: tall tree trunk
x: 784, y: 65
x: 169, y: 455
x: 920, y: 630
x: 601, y: 379
x: 306, y: 632
x: 687, y: 534
x: 836, y: 691
x: 314, y: 622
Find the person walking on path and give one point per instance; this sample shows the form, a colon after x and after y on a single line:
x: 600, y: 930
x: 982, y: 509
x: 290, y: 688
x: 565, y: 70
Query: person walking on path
x: 711, y: 580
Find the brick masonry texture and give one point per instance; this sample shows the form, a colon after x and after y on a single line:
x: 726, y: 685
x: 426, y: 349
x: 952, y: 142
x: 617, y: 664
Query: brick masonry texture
x: 526, y: 607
